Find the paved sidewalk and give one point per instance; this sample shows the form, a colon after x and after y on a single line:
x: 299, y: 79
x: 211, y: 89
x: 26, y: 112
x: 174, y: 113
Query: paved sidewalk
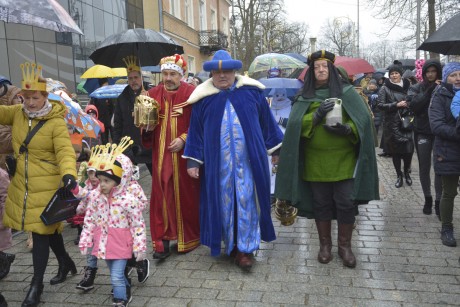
x: 401, y: 262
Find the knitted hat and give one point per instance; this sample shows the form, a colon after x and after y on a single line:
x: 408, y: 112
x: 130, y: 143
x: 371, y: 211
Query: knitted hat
x: 76, y: 140
x: 396, y: 66
x: 274, y: 72
x: 372, y: 81
x: 115, y: 173
x: 175, y: 62
x: 222, y: 60
x: 320, y: 55
x: 448, y: 69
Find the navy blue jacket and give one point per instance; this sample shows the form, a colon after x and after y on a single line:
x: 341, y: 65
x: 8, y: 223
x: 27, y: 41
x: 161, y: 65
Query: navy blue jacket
x: 443, y: 125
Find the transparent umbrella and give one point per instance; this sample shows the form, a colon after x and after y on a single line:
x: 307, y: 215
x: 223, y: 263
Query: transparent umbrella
x: 262, y: 63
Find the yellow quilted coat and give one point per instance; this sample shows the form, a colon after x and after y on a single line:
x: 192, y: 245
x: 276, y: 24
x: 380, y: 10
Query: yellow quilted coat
x: 38, y: 173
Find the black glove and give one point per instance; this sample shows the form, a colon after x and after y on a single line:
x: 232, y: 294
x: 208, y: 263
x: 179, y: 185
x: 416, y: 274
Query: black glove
x: 322, y: 111
x: 136, y: 149
x: 69, y: 182
x: 283, y: 122
x: 339, y: 129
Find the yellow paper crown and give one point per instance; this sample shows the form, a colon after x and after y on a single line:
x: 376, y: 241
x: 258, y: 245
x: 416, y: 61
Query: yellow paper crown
x: 30, y: 74
x: 131, y: 63
x: 103, y: 156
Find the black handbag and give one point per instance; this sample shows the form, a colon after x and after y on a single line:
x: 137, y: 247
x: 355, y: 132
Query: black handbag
x: 406, y: 121
x: 10, y: 160
x: 62, y: 206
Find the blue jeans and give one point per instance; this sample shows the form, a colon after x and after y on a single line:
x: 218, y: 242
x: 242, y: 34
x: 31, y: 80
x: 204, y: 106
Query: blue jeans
x: 91, y: 261
x: 117, y: 276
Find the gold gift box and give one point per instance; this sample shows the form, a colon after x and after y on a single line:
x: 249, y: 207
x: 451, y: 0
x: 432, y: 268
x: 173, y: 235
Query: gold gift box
x: 146, y: 111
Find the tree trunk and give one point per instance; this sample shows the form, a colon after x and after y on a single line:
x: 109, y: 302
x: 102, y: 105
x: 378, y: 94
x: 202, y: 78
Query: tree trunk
x: 432, y: 24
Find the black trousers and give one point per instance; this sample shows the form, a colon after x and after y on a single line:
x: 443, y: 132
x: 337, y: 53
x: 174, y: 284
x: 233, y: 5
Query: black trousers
x: 406, y: 157
x: 334, y: 199
x: 41, y: 251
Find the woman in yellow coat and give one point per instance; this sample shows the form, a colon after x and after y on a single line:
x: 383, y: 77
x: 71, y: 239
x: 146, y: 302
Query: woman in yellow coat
x: 48, y: 158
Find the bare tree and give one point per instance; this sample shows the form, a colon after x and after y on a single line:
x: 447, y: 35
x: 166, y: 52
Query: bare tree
x: 338, y: 36
x: 261, y: 27
x: 402, y: 13
x: 383, y: 53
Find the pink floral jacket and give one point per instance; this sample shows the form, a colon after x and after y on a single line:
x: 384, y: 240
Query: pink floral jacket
x: 114, y: 225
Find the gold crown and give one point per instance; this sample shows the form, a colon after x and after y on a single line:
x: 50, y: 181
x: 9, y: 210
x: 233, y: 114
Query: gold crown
x: 131, y: 63
x: 103, y: 156
x: 30, y: 77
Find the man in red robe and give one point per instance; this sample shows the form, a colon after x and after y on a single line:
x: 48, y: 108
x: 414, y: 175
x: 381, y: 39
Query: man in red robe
x: 174, y: 202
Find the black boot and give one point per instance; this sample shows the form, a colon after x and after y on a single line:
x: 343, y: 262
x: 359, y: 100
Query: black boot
x: 407, y: 176
x: 3, y: 302
x: 427, y: 208
x: 165, y: 254
x: 66, y: 265
x: 87, y: 283
x: 447, y: 236
x: 399, y: 181
x: 33, y: 296
x: 77, y: 240
x: 5, y: 263
x: 436, y: 208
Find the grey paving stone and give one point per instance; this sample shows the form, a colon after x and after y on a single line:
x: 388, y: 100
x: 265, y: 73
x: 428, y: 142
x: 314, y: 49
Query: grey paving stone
x: 283, y: 298
x: 247, y: 296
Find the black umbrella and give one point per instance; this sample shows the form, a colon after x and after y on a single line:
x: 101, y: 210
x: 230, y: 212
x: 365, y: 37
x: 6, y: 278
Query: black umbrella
x: 445, y: 40
x: 47, y: 14
x: 148, y: 45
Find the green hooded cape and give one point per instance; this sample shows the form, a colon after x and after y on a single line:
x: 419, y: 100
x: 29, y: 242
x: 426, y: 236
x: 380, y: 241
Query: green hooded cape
x: 289, y: 184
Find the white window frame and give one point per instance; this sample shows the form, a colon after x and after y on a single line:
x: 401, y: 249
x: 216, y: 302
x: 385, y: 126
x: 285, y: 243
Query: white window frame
x: 174, y: 8
x: 213, y: 16
x: 202, y: 12
x: 189, y: 13
x: 225, y: 25
x: 191, y: 64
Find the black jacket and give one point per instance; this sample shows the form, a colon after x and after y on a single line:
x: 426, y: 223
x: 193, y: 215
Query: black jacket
x: 124, y: 126
x: 446, y: 148
x: 419, y: 96
x: 396, y: 140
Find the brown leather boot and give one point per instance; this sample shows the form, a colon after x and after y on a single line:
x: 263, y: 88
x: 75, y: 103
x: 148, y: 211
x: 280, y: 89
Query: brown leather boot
x: 344, y: 243
x: 325, y: 241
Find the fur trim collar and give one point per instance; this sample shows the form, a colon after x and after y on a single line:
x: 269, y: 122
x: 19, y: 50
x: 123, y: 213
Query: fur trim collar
x: 206, y: 88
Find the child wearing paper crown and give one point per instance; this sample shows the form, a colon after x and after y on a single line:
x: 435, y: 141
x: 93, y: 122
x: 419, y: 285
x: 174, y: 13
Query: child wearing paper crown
x: 114, y: 226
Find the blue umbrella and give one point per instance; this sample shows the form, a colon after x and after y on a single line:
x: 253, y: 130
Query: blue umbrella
x: 152, y: 69
x: 108, y: 91
x: 291, y: 85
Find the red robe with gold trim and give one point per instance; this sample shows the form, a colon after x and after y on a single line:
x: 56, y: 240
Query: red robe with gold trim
x: 174, y: 201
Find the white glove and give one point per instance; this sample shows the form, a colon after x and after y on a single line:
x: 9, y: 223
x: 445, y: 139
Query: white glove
x: 140, y: 256
x: 84, y: 250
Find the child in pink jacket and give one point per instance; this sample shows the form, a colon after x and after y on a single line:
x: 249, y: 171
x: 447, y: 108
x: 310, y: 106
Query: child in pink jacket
x: 114, y: 226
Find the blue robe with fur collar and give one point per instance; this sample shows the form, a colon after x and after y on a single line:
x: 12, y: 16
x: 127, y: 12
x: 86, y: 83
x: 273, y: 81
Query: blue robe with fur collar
x: 261, y: 134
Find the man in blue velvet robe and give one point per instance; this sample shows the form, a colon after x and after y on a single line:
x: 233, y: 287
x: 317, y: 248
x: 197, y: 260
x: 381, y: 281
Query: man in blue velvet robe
x: 231, y: 131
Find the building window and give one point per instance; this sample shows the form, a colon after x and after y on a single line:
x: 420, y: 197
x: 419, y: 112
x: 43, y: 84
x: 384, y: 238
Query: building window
x: 191, y: 64
x: 134, y: 13
x: 203, y: 15
x: 213, y: 20
x: 175, y: 8
x: 225, y: 25
x: 189, y: 12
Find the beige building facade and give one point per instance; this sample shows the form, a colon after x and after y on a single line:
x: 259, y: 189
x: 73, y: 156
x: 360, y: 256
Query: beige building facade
x: 200, y: 26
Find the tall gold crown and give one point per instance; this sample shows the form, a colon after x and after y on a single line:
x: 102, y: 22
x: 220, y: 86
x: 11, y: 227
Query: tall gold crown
x: 131, y: 63
x: 30, y: 74
x: 103, y: 156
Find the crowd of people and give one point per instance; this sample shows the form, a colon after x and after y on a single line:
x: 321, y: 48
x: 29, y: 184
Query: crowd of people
x: 207, y: 156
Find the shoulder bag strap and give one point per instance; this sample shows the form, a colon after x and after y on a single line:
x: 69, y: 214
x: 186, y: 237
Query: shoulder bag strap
x: 32, y: 132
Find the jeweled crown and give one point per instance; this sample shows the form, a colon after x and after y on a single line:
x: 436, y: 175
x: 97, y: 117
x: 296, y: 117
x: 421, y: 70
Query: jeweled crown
x: 30, y: 74
x: 103, y: 156
x: 131, y: 63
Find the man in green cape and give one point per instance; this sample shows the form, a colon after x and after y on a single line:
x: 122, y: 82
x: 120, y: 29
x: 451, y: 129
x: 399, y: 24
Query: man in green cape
x: 325, y: 170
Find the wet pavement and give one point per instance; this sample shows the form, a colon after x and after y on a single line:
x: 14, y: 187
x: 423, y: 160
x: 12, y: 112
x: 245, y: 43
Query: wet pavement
x: 401, y: 262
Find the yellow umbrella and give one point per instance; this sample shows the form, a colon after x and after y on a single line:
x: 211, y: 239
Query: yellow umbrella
x: 101, y: 71
x: 119, y: 72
